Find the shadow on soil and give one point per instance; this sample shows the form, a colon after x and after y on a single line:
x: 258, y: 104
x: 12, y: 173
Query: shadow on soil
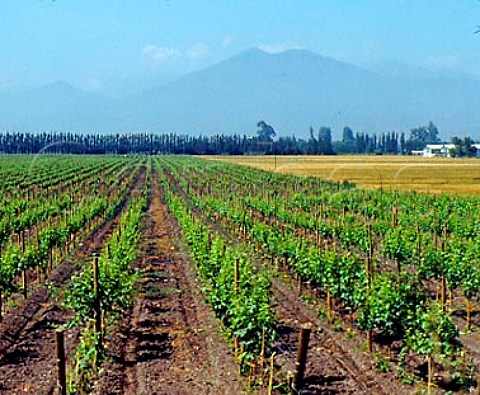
x: 18, y: 356
x: 312, y: 384
x: 153, y: 346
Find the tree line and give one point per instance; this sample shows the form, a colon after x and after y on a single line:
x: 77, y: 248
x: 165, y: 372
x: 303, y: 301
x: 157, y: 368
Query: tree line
x: 319, y: 142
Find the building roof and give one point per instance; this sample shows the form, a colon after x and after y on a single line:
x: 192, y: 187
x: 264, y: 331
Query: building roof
x: 440, y: 146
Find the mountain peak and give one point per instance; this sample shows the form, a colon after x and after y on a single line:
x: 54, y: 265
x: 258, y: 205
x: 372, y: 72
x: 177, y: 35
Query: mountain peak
x: 252, y: 52
x: 290, y: 89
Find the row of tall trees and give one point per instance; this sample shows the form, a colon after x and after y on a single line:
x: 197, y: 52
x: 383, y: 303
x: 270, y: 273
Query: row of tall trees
x: 28, y: 143
x: 129, y: 143
x: 386, y: 143
x: 319, y: 142
x: 364, y: 143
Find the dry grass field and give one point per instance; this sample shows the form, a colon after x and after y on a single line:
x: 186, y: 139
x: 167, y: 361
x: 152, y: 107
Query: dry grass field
x: 431, y: 175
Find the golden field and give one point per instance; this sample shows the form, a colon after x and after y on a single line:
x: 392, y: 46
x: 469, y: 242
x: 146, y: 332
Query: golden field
x: 431, y: 175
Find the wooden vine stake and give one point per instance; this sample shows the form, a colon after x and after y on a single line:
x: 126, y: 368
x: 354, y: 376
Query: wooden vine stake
x: 444, y: 281
x: 244, y: 227
x: 368, y: 274
x: 430, y: 374
x: 369, y: 341
x: 61, y: 363
x: 236, y: 286
x: 419, y: 243
x: 25, y: 283
x: 329, y: 305
x: 22, y: 238
x: 285, y: 268
x: 394, y: 217
x: 444, y: 292
x: 370, y: 242
x: 261, y: 362
x: 301, y: 358
x: 98, y: 303
x: 469, y: 314
x: 368, y: 271
x: 262, y: 350
x: 478, y: 384
x: 236, y: 277
x: 209, y: 242
x: 270, y: 379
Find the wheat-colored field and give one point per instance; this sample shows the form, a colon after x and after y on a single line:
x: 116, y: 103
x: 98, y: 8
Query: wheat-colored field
x: 431, y: 175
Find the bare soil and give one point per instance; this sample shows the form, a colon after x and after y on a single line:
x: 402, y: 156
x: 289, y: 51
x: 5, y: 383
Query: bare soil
x: 169, y: 343
x: 335, y: 365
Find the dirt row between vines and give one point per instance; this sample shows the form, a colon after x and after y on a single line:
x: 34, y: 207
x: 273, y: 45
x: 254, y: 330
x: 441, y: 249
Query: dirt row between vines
x: 27, y: 333
x: 335, y: 364
x: 170, y: 343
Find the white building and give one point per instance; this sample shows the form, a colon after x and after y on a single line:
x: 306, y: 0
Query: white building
x: 432, y: 150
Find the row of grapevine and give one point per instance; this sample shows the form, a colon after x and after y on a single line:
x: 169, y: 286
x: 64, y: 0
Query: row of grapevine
x: 239, y: 294
x: 102, y: 292
x: 57, y: 232
x: 379, y: 268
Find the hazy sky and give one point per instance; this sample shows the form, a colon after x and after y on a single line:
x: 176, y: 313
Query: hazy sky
x: 89, y: 42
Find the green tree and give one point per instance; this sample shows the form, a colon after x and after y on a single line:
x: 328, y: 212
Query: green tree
x: 349, y: 143
x: 348, y: 135
x: 265, y: 131
x: 325, y: 141
x: 463, y: 148
x: 402, y: 143
x: 421, y: 136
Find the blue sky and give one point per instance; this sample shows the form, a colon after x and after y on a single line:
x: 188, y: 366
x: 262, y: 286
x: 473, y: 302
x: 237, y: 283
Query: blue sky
x: 88, y: 42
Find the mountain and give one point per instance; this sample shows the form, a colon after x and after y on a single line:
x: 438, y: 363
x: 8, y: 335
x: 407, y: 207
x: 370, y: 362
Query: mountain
x: 298, y: 88
x: 132, y: 84
x: 56, y: 106
x: 291, y: 90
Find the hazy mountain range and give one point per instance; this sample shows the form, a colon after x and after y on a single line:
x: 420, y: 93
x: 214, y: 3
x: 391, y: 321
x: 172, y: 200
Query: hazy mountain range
x: 291, y: 90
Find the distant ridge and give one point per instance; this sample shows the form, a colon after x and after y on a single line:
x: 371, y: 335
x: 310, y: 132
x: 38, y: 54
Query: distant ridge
x: 291, y: 90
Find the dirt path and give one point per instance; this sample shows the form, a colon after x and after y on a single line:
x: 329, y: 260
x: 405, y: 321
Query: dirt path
x: 27, y: 347
x: 170, y: 343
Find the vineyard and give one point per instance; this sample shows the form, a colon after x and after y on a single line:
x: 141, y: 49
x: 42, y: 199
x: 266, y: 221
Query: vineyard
x: 175, y: 275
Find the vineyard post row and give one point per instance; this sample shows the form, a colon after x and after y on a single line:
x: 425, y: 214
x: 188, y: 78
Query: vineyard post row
x: 398, y: 302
